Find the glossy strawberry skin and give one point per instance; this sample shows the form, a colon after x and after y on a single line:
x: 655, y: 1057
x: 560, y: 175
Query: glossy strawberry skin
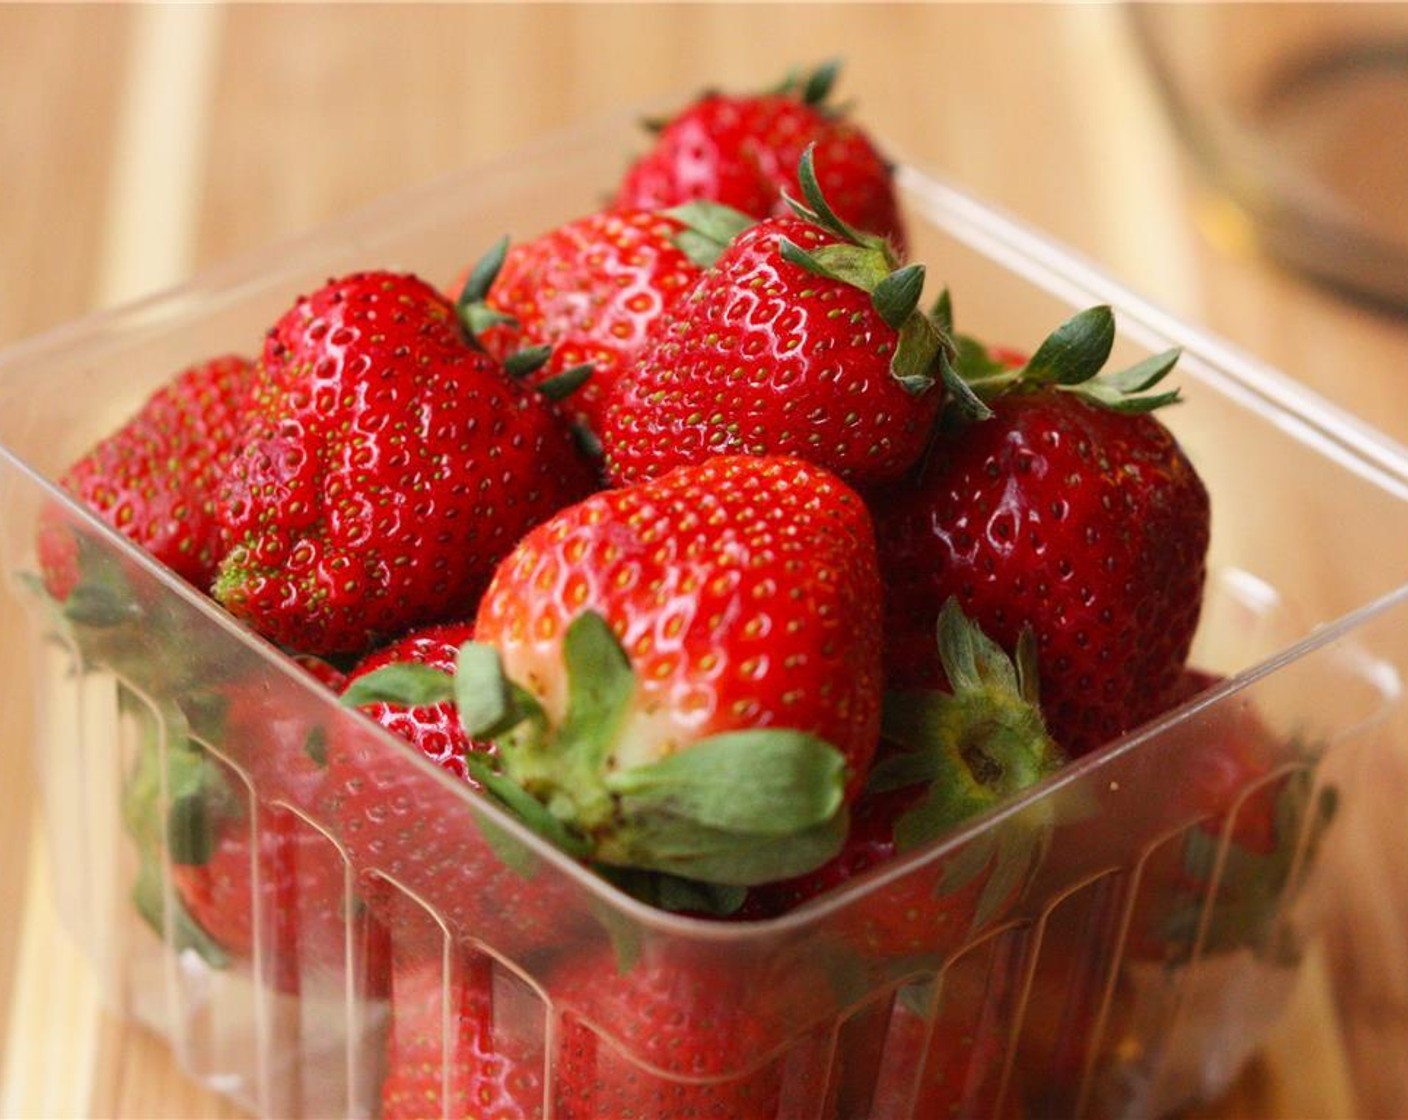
x: 433, y: 729
x: 386, y: 468
x: 671, y: 1036
x: 765, y: 358
x: 488, y: 1071
x: 430, y: 869
x: 915, y: 915
x: 1090, y: 525
x: 743, y: 591
x: 270, y: 877
x: 743, y: 151
x: 155, y: 478
x: 593, y: 289
x: 293, y: 879
x: 399, y: 827
x: 394, y: 823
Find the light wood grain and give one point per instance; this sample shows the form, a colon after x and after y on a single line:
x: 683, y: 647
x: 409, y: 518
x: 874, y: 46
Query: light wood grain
x: 296, y: 114
x: 55, y: 147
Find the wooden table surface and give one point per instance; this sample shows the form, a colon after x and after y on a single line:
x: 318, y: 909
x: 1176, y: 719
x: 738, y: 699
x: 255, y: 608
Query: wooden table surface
x: 139, y: 143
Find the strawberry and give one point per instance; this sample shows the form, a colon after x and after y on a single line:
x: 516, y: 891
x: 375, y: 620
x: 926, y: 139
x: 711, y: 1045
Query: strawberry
x: 154, y: 479
x: 803, y: 339
x: 1069, y: 508
x: 742, y: 150
x: 405, y: 833
x: 1233, y: 751
x: 944, y: 1050
x: 592, y: 289
x: 278, y: 877
x: 417, y: 847
x: 253, y: 882
x: 386, y: 467
x: 951, y: 756
x: 672, y: 1036
x: 449, y: 1053
x: 647, y: 656
x: 434, y: 729
x: 1245, y: 808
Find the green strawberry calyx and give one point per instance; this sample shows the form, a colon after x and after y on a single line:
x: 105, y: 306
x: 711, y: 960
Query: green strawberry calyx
x: 476, y: 315
x: 1071, y: 359
x: 867, y: 262
x: 707, y: 228
x: 472, y: 306
x: 922, y: 352
x: 811, y: 87
x: 175, y: 772
x: 733, y: 809
x: 974, y: 746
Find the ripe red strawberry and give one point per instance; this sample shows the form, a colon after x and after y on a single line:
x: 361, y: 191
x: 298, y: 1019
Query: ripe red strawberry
x: 404, y: 832
x: 742, y: 151
x: 952, y: 756
x: 434, y: 728
x: 1231, y: 752
x: 592, y: 289
x: 1233, y: 822
x: 945, y: 1047
x: 803, y: 339
x: 155, y: 478
x: 254, y: 882
x: 386, y: 468
x: 485, y: 1065
x: 417, y: 848
x: 1070, y: 509
x: 671, y: 1038
x: 281, y: 879
x: 694, y: 665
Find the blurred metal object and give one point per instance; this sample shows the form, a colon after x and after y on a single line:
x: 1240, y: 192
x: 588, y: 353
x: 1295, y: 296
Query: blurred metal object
x: 1298, y: 114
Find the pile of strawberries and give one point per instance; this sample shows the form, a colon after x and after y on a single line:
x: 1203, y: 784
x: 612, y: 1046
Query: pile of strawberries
x: 688, y: 533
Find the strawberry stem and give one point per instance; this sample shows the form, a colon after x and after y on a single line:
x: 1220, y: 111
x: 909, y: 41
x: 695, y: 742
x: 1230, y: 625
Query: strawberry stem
x: 736, y: 809
x: 708, y: 228
x: 1070, y: 359
x: 975, y: 745
x: 923, y: 351
x: 472, y: 307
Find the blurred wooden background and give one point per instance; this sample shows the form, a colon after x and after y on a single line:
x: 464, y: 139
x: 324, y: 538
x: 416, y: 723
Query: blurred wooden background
x: 141, y: 142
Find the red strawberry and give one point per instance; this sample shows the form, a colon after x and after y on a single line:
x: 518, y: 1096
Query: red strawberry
x: 954, y: 756
x: 675, y: 644
x: 249, y: 872
x: 278, y: 877
x: 1070, y: 509
x: 388, y: 465
x: 1232, y: 751
x: 742, y: 151
x: 945, y: 1046
x: 802, y: 339
x: 1244, y: 807
x: 486, y: 1065
x: 434, y: 729
x: 404, y: 832
x: 592, y: 289
x: 417, y: 847
x: 671, y: 1037
x: 155, y: 478
x: 324, y: 672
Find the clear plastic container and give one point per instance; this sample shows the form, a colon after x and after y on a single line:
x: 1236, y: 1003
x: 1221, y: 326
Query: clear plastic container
x: 1121, y: 938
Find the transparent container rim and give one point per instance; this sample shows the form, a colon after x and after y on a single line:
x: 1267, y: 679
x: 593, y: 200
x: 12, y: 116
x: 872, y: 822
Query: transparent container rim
x: 1025, y: 251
